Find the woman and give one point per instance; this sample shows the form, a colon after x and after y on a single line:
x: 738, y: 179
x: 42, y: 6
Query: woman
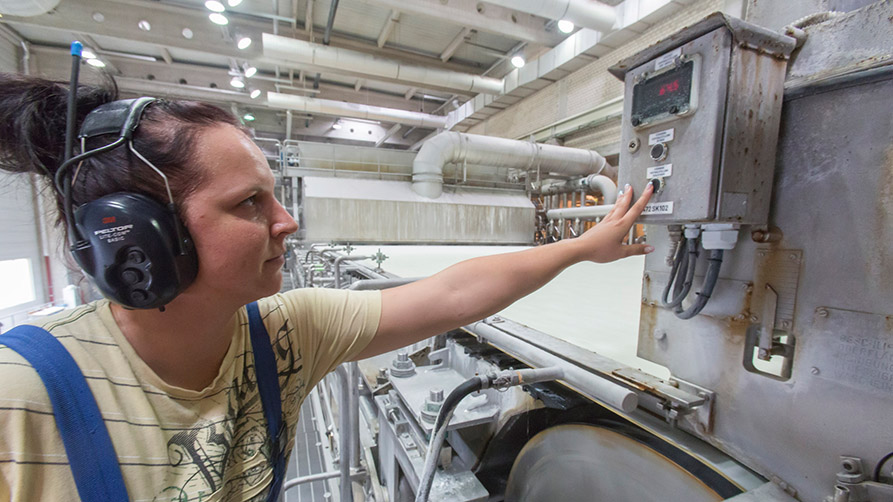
x: 176, y: 388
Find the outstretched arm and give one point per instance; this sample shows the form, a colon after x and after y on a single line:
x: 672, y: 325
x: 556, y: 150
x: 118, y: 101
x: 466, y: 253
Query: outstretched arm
x: 479, y: 287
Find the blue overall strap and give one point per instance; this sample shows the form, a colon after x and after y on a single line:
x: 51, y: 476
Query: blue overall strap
x: 270, y: 396
x: 91, y: 456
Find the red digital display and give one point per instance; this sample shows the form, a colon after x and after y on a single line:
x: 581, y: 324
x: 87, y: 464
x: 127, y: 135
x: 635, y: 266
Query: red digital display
x: 669, y: 87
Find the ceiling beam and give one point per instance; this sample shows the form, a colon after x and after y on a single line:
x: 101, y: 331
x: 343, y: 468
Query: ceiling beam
x: 454, y: 44
x: 393, y: 19
x: 392, y: 131
x: 488, y: 18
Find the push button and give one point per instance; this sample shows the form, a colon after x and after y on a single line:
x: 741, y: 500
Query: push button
x: 657, y: 184
x: 659, y: 151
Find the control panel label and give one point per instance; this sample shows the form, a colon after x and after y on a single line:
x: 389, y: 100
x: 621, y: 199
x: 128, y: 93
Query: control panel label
x: 660, y: 171
x: 661, y: 136
x: 658, y: 208
x: 667, y: 59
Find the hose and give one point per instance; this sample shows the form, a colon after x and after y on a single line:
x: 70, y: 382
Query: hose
x: 501, y: 380
x: 714, y: 263
x: 439, y: 432
x: 682, y: 274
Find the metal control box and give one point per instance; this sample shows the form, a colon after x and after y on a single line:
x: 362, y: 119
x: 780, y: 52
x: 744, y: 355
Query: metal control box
x: 701, y: 114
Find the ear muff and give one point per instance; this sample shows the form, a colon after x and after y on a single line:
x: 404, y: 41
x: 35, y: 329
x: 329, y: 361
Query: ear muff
x: 135, y: 249
x: 132, y: 252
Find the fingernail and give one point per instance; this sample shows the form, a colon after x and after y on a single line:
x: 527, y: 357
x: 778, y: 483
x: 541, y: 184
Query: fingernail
x: 619, y: 193
x: 626, y: 187
x: 649, y: 249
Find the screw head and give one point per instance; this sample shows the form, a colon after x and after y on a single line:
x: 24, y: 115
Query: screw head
x: 785, y: 324
x: 754, y: 318
x: 633, y: 145
x: 814, y: 370
x: 792, y: 257
x: 822, y: 312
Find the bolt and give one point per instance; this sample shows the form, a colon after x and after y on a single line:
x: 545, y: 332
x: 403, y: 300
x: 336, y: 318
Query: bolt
x: 402, y: 356
x: 739, y: 317
x: 822, y: 312
x: 786, y: 324
x: 660, y: 335
x: 754, y: 318
x: 761, y: 253
x: 814, y: 370
x: 435, y: 395
x: 792, y: 257
x: 647, y: 277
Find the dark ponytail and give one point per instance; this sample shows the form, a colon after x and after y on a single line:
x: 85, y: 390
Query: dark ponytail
x: 32, y: 139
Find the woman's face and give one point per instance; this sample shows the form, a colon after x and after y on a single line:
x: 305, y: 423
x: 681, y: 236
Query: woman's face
x: 237, y: 225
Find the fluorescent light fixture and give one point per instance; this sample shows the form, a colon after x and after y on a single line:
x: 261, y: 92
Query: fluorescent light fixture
x: 214, y: 6
x: 187, y: 34
x: 248, y: 117
x: 234, y: 3
x: 336, y: 126
x: 144, y: 25
x: 255, y: 93
x: 237, y: 82
x: 244, y: 43
x: 565, y: 26
x: 95, y: 62
x: 218, y: 18
x: 250, y: 71
x: 518, y: 62
x: 88, y: 54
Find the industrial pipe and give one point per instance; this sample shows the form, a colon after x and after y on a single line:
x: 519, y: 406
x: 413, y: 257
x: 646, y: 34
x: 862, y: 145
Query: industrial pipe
x: 347, y: 435
x: 587, y: 212
x: 454, y: 147
x: 596, y: 387
x: 586, y: 13
x: 338, y: 59
x: 594, y: 183
x: 337, y: 266
x: 333, y: 108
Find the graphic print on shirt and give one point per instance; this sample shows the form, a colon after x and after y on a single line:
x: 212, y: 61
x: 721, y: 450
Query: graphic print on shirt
x: 207, y: 455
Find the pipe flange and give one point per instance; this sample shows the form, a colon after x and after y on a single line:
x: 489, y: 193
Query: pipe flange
x: 402, y: 366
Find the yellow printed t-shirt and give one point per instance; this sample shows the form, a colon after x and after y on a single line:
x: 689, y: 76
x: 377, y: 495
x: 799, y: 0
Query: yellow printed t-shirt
x: 175, y: 444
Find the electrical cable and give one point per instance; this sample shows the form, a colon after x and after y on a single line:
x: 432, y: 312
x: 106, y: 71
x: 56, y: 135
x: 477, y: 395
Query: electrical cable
x: 880, y: 466
x: 715, y: 262
x: 439, y: 432
x: 682, y: 276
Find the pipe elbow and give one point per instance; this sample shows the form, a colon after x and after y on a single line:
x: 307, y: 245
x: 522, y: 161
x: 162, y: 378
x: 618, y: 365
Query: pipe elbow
x: 427, y: 167
x: 604, y: 185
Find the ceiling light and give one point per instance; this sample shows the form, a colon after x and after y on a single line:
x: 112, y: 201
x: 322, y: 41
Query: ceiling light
x: 255, y: 93
x: 96, y: 62
x: 565, y: 26
x: 250, y: 71
x: 244, y: 43
x: 214, y: 6
x: 88, y: 54
x: 187, y: 33
x: 248, y: 117
x: 98, y: 17
x: 234, y: 3
x: 518, y: 62
x: 144, y: 25
x: 336, y: 126
x: 237, y: 82
x: 218, y: 18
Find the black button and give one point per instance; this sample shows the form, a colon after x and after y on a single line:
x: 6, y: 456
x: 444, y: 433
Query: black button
x: 656, y: 184
x: 136, y: 256
x: 131, y: 276
x: 659, y: 151
x: 635, y: 121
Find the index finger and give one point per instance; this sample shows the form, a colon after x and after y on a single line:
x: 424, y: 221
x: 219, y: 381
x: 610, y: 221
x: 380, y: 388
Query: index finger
x: 636, y: 210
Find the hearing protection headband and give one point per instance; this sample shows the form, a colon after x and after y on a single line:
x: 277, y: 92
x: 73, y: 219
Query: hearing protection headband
x: 122, y: 117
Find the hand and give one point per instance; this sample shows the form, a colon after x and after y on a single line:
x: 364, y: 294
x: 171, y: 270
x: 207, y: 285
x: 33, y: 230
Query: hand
x: 604, y: 241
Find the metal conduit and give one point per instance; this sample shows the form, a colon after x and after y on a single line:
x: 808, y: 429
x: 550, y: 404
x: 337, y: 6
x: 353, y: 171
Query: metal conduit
x: 346, y: 436
x: 591, y: 385
x: 337, y: 266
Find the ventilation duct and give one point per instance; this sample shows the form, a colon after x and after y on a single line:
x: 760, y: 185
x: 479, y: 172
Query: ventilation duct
x: 354, y: 110
x: 454, y: 147
x: 586, y: 13
x: 286, y: 50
